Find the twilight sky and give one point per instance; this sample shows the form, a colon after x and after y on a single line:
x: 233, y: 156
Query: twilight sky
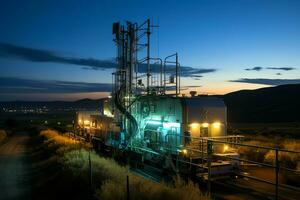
x: 63, y: 49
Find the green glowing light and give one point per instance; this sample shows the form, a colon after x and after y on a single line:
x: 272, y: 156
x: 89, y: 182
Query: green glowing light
x: 171, y: 124
x: 153, y: 122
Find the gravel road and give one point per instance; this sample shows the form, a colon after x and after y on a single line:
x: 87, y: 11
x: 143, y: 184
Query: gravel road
x: 14, y: 168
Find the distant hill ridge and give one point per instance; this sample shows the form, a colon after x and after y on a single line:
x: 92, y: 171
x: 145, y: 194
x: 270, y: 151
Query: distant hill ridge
x: 86, y: 104
x: 271, y: 104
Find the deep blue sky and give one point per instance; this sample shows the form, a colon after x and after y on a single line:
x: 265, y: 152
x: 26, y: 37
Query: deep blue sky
x: 226, y: 37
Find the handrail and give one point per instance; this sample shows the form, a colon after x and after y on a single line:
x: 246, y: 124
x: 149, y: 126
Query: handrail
x: 126, y: 113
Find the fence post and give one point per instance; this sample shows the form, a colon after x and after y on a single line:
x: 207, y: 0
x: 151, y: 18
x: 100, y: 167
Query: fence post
x: 127, y: 188
x: 90, y: 167
x: 209, y: 152
x: 277, y: 173
x: 202, y: 152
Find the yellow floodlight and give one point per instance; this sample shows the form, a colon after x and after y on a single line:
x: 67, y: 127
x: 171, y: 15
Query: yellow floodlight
x: 216, y: 124
x: 194, y: 125
x: 205, y: 125
x: 225, y: 148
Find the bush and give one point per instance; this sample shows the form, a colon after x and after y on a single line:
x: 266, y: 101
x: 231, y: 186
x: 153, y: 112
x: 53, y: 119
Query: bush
x: 109, y: 178
x: 287, y: 159
x: 252, y: 153
x: 58, y: 143
x: 112, y: 180
x: 3, y: 135
x: 144, y: 189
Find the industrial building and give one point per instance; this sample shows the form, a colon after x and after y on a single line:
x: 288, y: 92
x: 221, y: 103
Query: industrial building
x: 146, y: 115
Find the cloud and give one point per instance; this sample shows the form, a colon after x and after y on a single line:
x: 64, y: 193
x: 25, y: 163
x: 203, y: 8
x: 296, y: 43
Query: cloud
x: 279, y: 74
x: 197, y: 76
x: 267, y: 81
x: 40, y: 55
x: 254, y: 69
x: 281, y: 68
x: 20, y: 85
x: 189, y: 87
x: 273, y: 68
x: 13, y: 85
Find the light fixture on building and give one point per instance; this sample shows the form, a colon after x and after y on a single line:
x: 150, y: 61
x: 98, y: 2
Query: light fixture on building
x: 216, y: 124
x: 205, y: 125
x: 194, y: 125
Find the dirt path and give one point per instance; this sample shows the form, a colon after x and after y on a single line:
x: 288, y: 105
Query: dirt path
x: 14, y: 168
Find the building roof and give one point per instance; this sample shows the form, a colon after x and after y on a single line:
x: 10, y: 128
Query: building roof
x: 204, y: 102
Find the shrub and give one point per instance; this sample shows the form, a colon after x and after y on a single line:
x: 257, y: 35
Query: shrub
x: 58, y: 143
x: 3, y: 135
x: 141, y: 188
x: 252, y: 153
x: 287, y: 159
x: 109, y: 177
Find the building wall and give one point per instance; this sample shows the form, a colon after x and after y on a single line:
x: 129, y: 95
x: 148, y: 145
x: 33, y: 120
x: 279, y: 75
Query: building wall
x: 165, y: 113
x: 206, y: 117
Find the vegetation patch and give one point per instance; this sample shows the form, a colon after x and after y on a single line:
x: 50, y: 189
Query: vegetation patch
x: 106, y: 179
x: 288, y: 160
x: 3, y: 135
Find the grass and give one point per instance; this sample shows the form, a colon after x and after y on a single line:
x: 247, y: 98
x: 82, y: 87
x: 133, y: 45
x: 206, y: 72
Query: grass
x: 3, y: 136
x: 145, y: 189
x: 281, y: 135
x: 109, y: 178
x: 286, y: 159
x: 285, y: 130
x: 290, y: 160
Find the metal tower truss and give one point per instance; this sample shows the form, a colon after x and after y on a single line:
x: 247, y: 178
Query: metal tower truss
x: 138, y: 74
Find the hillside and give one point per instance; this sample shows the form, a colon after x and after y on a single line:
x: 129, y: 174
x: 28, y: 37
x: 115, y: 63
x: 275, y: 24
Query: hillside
x: 272, y: 104
x: 83, y: 104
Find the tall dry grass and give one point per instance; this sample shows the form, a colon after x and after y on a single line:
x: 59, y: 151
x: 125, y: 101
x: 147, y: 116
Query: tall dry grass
x: 3, y: 135
x: 287, y: 159
x: 109, y: 178
x: 254, y: 154
x: 58, y: 143
x: 144, y: 189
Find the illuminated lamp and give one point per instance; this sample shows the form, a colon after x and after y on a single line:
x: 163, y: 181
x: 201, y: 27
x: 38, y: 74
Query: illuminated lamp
x: 153, y: 122
x: 194, y: 125
x: 171, y: 124
x: 225, y: 148
x: 205, y: 125
x: 216, y: 124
